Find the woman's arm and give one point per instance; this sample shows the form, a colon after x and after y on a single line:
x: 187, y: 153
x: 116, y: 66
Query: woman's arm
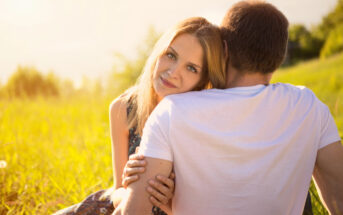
x: 119, y: 138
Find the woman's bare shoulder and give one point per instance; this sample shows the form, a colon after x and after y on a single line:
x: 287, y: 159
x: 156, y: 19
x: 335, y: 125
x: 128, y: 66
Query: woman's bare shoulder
x: 118, y: 105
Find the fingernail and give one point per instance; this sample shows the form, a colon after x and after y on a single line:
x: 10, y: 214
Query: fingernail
x: 159, y: 177
x: 151, y: 182
x: 149, y: 189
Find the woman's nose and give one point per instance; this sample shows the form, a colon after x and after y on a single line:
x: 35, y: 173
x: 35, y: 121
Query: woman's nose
x: 174, y: 71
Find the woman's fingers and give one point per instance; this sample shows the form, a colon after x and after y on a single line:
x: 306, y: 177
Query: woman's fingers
x: 172, y: 175
x: 163, y: 191
x: 167, y: 181
x: 134, y: 166
x: 158, y: 196
x: 137, y: 149
x: 128, y: 171
x: 155, y: 202
x: 128, y: 180
x: 136, y: 157
x: 160, y: 188
x: 135, y: 163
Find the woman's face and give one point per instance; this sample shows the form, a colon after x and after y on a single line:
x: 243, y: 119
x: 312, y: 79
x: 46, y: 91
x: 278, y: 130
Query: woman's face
x: 179, y: 69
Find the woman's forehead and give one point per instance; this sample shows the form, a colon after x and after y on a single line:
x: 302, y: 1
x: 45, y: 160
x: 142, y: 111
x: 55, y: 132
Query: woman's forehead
x: 188, y: 46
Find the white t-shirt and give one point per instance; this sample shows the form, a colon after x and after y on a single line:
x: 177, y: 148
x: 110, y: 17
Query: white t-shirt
x: 245, y: 150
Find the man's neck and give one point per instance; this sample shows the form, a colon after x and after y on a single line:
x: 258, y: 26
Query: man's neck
x: 245, y: 79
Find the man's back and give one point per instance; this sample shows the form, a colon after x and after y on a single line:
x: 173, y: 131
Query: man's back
x: 247, y: 150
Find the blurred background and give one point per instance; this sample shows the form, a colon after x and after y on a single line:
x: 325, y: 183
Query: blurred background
x: 63, y: 62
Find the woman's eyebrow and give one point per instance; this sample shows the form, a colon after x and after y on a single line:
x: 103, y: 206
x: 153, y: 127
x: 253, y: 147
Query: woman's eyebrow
x: 175, y: 52
x: 195, y: 65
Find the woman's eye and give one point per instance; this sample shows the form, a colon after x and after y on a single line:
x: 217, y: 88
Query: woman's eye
x: 171, y: 55
x: 192, y: 69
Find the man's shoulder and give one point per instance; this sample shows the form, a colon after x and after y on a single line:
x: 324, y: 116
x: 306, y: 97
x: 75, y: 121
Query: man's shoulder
x: 297, y: 96
x: 290, y: 88
x: 293, y: 92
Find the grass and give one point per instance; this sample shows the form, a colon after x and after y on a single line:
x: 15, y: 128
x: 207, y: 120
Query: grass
x: 59, y: 151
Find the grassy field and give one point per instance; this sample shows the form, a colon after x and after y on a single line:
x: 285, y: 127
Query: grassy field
x: 58, y: 151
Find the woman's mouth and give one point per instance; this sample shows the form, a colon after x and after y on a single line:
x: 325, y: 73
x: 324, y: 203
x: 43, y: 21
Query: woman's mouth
x: 167, y: 83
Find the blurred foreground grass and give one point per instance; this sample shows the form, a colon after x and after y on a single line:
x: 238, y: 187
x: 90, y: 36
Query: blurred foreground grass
x: 58, y: 151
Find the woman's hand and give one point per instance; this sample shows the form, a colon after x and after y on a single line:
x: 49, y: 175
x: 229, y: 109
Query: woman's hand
x: 161, y: 190
x: 134, y: 166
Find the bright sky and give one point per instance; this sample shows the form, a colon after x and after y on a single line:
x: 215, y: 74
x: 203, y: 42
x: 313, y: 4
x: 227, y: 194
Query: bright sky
x: 76, y: 38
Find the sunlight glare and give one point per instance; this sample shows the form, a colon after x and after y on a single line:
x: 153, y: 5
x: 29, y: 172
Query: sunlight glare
x: 22, y: 12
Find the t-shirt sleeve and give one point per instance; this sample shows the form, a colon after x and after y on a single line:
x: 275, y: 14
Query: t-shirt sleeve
x: 155, y: 140
x: 329, y: 131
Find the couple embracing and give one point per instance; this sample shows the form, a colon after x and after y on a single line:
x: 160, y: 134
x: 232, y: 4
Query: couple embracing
x: 236, y: 143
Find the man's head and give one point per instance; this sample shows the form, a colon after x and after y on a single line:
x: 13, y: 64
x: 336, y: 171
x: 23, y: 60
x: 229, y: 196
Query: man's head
x: 256, y: 34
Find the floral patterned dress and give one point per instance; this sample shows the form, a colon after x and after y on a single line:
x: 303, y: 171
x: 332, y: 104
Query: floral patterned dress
x: 99, y: 203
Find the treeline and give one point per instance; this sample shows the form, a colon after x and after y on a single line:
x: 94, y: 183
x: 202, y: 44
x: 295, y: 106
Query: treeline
x: 322, y: 40
x: 29, y: 83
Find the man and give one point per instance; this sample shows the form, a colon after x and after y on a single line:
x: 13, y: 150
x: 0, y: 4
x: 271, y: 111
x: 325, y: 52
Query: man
x: 248, y: 149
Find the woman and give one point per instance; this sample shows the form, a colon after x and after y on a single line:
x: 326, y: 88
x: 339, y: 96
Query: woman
x: 187, y: 57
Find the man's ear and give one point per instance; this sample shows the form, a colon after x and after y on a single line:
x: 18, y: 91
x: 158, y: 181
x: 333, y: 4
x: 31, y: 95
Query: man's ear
x: 226, y: 50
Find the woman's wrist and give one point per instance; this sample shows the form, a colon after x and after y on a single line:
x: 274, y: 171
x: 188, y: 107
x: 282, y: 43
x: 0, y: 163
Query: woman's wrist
x: 117, y: 196
x: 167, y: 208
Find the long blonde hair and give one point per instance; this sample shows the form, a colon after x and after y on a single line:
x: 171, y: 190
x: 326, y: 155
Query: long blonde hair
x: 143, y: 98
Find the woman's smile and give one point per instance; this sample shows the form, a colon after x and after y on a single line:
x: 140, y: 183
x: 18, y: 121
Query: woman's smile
x: 167, y: 83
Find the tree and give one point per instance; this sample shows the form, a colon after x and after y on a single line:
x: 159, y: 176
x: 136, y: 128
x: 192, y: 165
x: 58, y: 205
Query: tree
x: 334, y: 42
x: 302, y: 45
x: 29, y: 82
x: 67, y: 88
x: 330, y: 22
x: 126, y: 71
x: 330, y: 31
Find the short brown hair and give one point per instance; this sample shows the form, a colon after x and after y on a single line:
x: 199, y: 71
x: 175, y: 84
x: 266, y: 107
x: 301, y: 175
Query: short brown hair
x: 256, y: 33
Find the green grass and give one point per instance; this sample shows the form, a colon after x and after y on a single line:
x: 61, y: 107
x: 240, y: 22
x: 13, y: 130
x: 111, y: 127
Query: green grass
x: 59, y: 151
